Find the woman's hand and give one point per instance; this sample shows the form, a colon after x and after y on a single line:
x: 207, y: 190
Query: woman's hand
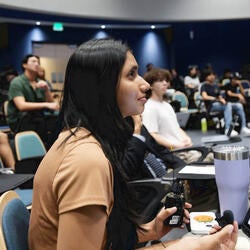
x: 225, y: 239
x: 156, y: 228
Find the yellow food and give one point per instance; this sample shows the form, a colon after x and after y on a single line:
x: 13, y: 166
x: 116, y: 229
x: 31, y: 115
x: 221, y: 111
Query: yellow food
x: 203, y: 218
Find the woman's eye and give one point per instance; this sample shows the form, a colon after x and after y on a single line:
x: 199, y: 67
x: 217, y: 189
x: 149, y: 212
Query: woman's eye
x: 132, y: 73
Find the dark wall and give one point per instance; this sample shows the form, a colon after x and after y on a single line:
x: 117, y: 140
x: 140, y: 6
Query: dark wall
x: 146, y: 49
x: 223, y: 44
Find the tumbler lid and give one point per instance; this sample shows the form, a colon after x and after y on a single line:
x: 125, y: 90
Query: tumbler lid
x: 231, y: 152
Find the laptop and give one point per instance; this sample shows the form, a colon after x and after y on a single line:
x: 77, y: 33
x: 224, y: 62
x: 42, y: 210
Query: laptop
x: 182, y: 118
x: 219, y: 138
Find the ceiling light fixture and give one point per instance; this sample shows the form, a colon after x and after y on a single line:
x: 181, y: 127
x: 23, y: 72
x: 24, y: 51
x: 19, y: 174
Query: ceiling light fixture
x: 38, y: 23
x: 103, y: 27
x: 152, y: 27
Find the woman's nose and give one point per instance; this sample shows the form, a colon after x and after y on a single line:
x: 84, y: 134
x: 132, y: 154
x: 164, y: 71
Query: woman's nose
x: 145, y: 86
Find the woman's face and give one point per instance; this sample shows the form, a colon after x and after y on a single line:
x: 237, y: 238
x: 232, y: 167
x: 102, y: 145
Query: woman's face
x: 193, y: 71
x: 131, y: 90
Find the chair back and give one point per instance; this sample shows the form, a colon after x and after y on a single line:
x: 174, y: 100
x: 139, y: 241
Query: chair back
x: 28, y: 144
x: 14, y: 222
x: 245, y: 84
x: 182, y: 98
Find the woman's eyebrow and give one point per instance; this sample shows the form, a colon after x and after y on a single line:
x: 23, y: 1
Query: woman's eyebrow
x: 134, y: 67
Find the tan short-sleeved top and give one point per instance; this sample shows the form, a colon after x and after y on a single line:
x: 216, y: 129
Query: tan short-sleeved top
x: 71, y: 176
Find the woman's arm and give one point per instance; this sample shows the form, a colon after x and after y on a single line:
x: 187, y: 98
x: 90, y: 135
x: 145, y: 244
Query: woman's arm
x: 223, y: 240
x: 156, y: 228
x: 83, y: 228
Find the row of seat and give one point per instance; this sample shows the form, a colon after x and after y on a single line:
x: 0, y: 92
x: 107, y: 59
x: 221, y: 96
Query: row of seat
x: 29, y: 152
x: 14, y: 222
x: 28, y: 145
x: 182, y: 98
x: 215, y: 117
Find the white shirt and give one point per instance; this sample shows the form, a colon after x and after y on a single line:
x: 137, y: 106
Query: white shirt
x: 159, y: 117
x: 192, y: 81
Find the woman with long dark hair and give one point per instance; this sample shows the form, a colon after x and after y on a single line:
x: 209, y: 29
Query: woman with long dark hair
x: 80, y: 197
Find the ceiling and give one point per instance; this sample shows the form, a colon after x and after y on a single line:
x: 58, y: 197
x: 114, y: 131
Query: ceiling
x: 133, y: 10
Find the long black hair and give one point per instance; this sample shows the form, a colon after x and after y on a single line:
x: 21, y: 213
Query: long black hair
x: 90, y: 101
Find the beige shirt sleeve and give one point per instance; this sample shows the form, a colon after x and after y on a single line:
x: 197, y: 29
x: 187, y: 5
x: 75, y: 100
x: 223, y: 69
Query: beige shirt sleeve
x: 84, y: 178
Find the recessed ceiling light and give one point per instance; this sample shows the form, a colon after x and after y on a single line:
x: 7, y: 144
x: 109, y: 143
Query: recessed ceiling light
x: 38, y: 23
x: 103, y: 27
x: 152, y: 27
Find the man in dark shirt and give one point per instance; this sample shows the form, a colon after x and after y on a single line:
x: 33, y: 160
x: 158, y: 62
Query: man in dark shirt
x: 236, y: 99
x: 213, y: 99
x: 142, y: 144
x: 28, y: 98
x: 138, y: 166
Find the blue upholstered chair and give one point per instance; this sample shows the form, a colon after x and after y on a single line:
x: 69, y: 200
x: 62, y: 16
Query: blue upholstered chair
x: 28, y: 144
x: 30, y: 150
x: 14, y: 222
x: 182, y: 98
x: 25, y: 196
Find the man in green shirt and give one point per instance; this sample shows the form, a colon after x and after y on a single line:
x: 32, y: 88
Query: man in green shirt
x: 28, y: 98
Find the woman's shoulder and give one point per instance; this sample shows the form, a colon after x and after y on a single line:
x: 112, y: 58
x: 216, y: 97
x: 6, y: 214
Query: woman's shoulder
x: 82, y: 145
x: 77, y: 135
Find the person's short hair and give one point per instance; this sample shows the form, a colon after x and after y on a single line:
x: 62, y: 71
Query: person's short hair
x: 26, y: 58
x: 205, y: 73
x: 157, y: 74
x: 236, y: 76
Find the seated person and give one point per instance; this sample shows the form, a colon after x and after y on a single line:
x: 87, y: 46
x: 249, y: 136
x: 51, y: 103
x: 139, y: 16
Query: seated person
x: 235, y: 98
x: 41, y: 76
x: 225, y: 78
x: 85, y: 189
x: 192, y: 84
x: 141, y: 144
x: 160, y: 119
x: 202, y: 194
x: 28, y: 98
x: 214, y: 101
x: 5, y: 79
x: 177, y: 81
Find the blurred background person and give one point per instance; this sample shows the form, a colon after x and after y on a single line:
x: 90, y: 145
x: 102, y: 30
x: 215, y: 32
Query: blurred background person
x: 192, y: 84
x: 41, y: 76
x: 28, y: 98
x: 177, y: 82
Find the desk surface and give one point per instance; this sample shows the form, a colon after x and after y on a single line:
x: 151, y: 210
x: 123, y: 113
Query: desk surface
x: 176, y: 175
x: 243, y: 242
x: 12, y: 181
